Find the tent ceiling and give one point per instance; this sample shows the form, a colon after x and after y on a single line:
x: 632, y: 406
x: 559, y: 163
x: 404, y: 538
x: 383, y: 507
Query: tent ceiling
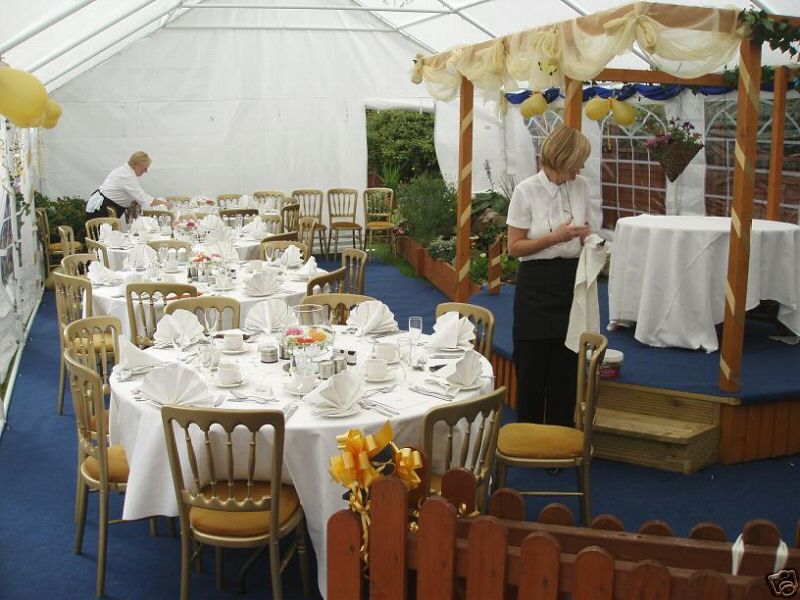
x: 100, y: 29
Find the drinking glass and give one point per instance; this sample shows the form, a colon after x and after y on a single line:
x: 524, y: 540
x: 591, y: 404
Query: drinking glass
x: 212, y: 316
x: 415, y: 328
x: 177, y: 344
x: 163, y: 252
x: 206, y: 355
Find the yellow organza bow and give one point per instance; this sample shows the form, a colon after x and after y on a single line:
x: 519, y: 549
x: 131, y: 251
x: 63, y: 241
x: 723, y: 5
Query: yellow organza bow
x: 353, y: 464
x: 636, y: 25
x: 406, y: 462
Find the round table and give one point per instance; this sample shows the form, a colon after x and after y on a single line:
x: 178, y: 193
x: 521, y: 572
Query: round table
x: 310, y: 440
x: 669, y: 276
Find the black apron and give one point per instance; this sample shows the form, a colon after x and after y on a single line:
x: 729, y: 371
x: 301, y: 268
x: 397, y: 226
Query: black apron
x: 543, y: 298
x: 103, y: 210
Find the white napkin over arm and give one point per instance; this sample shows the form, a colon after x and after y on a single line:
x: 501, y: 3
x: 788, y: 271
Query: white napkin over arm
x: 585, y: 312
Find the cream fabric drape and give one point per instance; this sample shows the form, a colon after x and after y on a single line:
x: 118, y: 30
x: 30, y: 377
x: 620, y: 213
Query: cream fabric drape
x: 683, y: 41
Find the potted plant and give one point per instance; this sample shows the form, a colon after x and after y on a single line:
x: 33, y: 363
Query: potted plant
x: 675, y: 147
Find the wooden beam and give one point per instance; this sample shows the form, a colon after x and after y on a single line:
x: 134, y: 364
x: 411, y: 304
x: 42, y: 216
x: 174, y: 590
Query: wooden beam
x: 463, y: 220
x: 776, y: 151
x: 573, y: 103
x: 741, y: 215
x: 643, y: 76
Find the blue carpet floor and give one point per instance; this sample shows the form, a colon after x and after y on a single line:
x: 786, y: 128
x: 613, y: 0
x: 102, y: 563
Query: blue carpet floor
x: 37, y: 467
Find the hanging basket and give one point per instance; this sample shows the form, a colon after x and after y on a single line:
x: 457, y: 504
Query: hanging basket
x: 675, y: 157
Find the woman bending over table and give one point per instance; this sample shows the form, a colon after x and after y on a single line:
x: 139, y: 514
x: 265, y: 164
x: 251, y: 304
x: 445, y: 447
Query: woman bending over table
x: 547, y: 223
x: 121, y: 188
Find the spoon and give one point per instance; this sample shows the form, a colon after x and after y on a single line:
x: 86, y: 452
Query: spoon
x: 240, y: 396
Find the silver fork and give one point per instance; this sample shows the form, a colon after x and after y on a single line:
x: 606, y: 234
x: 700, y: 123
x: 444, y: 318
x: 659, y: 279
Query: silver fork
x: 218, y: 402
x: 383, y: 409
x: 381, y: 390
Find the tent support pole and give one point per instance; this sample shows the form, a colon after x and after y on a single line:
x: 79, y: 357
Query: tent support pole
x: 730, y: 363
x: 464, y: 190
x: 573, y: 103
x: 776, y: 153
x: 42, y: 25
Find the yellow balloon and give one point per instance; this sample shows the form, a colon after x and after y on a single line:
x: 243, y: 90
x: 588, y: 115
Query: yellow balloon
x: 49, y: 123
x: 23, y: 98
x: 624, y: 113
x: 53, y: 110
x: 597, y: 108
x: 533, y: 105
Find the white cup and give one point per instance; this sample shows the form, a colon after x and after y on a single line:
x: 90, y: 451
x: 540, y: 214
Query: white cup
x: 387, y: 352
x: 229, y: 373
x: 233, y: 341
x: 223, y: 281
x: 303, y: 382
x: 216, y: 354
x: 376, y: 368
x: 171, y: 265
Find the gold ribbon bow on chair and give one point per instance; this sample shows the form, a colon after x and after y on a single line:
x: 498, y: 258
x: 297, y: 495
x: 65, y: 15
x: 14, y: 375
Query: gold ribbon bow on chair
x: 416, y: 72
x: 636, y: 25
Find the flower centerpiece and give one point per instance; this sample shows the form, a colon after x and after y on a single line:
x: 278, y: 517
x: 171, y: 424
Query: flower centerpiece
x: 675, y: 146
x: 200, y: 257
x: 308, y: 329
x: 186, y: 227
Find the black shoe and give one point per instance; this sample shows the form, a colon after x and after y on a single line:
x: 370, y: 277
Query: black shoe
x: 554, y: 472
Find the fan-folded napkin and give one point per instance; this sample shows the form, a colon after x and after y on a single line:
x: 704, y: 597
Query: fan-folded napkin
x: 261, y: 284
x: 180, y: 323
x: 226, y: 249
x: 307, y: 270
x: 99, y: 274
x: 113, y: 237
x: 338, y: 396
x: 372, y: 316
x: 585, y: 312
x: 465, y: 373
x: 133, y: 359
x: 452, y: 331
x: 211, y: 223
x: 103, y: 231
x: 291, y: 257
x: 176, y: 384
x: 140, y: 257
x: 267, y: 316
x: 256, y: 229
x: 145, y: 224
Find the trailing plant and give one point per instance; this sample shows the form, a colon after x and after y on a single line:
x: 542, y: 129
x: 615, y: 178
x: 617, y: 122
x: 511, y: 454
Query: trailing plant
x: 765, y: 29
x: 428, y: 205
x: 442, y: 248
x: 67, y: 210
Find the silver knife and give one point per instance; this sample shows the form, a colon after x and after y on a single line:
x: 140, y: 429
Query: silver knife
x: 289, y: 412
x: 432, y: 393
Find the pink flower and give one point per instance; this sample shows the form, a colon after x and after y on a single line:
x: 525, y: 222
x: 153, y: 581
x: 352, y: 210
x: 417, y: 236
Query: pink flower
x: 293, y: 331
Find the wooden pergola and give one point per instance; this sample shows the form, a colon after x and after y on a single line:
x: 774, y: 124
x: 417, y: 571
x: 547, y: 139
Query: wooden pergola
x: 744, y: 172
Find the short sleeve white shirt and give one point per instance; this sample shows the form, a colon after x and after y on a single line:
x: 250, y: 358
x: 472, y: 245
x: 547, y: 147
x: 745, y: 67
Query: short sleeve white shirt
x: 122, y: 186
x: 540, y: 206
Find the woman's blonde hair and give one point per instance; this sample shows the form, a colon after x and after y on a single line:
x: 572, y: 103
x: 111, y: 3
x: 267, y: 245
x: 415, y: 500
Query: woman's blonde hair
x: 565, y: 150
x: 139, y: 158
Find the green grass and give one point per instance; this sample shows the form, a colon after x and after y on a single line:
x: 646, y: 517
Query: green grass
x: 383, y: 253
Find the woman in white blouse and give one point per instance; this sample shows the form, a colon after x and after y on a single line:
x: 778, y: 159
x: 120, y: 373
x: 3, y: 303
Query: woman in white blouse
x: 121, y: 188
x: 547, y: 223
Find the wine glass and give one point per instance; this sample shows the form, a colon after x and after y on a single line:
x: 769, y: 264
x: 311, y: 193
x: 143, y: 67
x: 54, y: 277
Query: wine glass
x: 415, y: 328
x: 206, y: 355
x: 177, y: 344
x: 212, y: 316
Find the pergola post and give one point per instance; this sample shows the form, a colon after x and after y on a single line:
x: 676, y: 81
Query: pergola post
x: 730, y: 363
x: 464, y: 190
x: 573, y: 103
x: 776, y: 152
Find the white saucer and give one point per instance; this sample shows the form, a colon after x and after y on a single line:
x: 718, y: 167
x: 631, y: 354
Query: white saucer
x: 216, y: 288
x: 239, y: 351
x: 288, y: 387
x: 218, y: 383
x: 389, y: 376
x: 172, y: 272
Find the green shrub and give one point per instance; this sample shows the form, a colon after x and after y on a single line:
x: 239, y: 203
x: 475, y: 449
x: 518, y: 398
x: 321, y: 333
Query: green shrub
x: 479, y: 267
x: 428, y: 206
x: 443, y: 249
x: 508, y: 268
x: 67, y: 210
x: 401, y: 138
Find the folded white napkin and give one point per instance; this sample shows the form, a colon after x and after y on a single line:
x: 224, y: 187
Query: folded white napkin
x: 99, y: 274
x: 226, y: 249
x: 219, y: 234
x: 309, y: 269
x: 291, y: 257
x: 113, y: 237
x: 140, y: 257
x: 211, y: 223
x: 256, y: 230
x: 103, y: 231
x: 372, y: 316
x: 133, y: 360
x: 584, y: 315
x: 180, y: 323
x: 465, y: 373
x: 338, y: 396
x: 176, y: 384
x: 450, y: 331
x: 145, y: 224
x: 267, y: 316
x: 261, y: 284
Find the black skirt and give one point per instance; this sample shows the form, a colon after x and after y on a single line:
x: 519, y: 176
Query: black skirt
x: 103, y: 210
x: 543, y: 298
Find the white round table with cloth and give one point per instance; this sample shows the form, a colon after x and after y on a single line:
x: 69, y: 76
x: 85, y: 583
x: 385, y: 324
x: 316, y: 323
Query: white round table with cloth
x: 310, y: 440
x: 110, y: 300
x: 669, y: 276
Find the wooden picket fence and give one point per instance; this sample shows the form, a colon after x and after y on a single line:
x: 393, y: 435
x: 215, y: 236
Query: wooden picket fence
x: 495, y: 557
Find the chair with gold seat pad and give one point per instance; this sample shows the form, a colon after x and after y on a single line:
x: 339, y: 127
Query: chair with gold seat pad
x: 339, y: 305
x: 273, y: 243
x: 378, y: 209
x: 532, y: 445
x: 329, y: 283
x: 77, y: 265
x: 342, y: 206
x: 227, y: 309
x: 104, y: 468
x: 93, y: 226
x: 145, y: 304
x: 99, y: 250
x: 221, y: 500
x: 481, y: 317
x: 354, y: 262
x: 171, y: 245
x: 67, y: 238
x: 471, y: 446
x: 310, y: 205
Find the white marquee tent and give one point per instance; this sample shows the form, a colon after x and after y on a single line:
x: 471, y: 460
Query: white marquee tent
x: 239, y: 95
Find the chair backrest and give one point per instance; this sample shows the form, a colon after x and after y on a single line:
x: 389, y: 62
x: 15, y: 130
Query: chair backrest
x: 228, y: 310
x: 88, y: 403
x: 98, y: 250
x: 214, y: 474
x: 73, y: 299
x: 158, y: 214
x: 354, y: 261
x: 274, y: 223
x: 590, y: 356
x: 145, y: 302
x: 339, y: 305
x: 229, y: 214
x: 67, y: 239
x: 305, y: 230
x: 330, y: 283
x: 290, y: 215
x: 276, y: 244
x: 95, y: 343
x: 342, y: 204
x: 228, y: 200
x: 482, y: 318
x: 269, y: 200
x: 43, y: 223
x: 378, y: 204
x: 178, y: 199
x: 77, y: 265
x: 176, y: 244
x: 310, y: 202
x: 93, y: 226
x: 473, y: 449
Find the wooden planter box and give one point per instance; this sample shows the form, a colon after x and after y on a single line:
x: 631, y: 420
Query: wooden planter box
x: 440, y: 273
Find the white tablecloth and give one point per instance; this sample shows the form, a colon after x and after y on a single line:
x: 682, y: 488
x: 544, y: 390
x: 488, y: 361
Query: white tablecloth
x: 309, y: 443
x: 669, y: 274
x: 246, y: 248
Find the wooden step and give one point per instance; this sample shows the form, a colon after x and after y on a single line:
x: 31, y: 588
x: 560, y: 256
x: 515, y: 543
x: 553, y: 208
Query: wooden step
x: 642, y: 426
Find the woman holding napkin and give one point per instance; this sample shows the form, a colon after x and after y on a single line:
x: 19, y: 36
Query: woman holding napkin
x: 547, y: 223
x: 121, y: 188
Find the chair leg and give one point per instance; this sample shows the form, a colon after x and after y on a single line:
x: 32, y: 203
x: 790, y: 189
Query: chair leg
x: 502, y: 474
x: 186, y: 554
x: 219, y: 567
x: 62, y: 376
x: 585, y: 499
x: 275, y: 568
x: 78, y: 487
x: 322, y: 248
x: 302, y: 557
x: 80, y: 511
x: 102, y: 543
x: 335, y: 244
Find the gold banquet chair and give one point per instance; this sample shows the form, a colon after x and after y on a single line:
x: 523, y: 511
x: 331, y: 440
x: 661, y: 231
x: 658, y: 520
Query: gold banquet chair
x: 482, y: 318
x: 99, y: 250
x: 172, y: 245
x: 475, y: 448
x: 77, y: 265
x: 378, y: 209
x: 104, y: 469
x: 274, y: 223
x: 531, y: 445
x: 144, y: 303
x: 342, y: 205
x: 305, y: 232
x: 228, y: 200
x: 339, y: 305
x: 354, y: 261
x: 311, y: 202
x: 272, y: 243
x: 228, y: 310
x: 93, y: 226
x: 329, y: 283
x: 290, y: 215
x: 68, y: 244
x: 224, y: 510
x: 269, y: 200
